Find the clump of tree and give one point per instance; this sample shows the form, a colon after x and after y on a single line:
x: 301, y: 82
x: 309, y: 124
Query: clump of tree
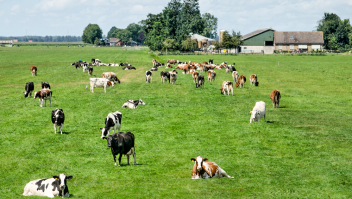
x: 133, y: 32
x: 177, y: 20
x: 91, y: 32
x: 231, y: 41
x: 337, y: 33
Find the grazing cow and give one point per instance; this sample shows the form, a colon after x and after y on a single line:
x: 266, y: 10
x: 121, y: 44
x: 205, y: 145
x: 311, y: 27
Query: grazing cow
x: 113, y: 120
x: 123, y: 144
x: 253, y: 79
x: 58, y: 119
x: 148, y: 76
x: 76, y: 64
x: 211, y: 61
x: 200, y: 81
x: 34, y: 70
x: 275, y: 97
x: 99, y: 82
x: 241, y: 80
x: 227, y: 86
x: 235, y: 76
x: 111, y: 76
x: 195, y: 75
x: 230, y: 68
x: 43, y: 95
x: 129, y: 68
x: 29, y: 89
x: 173, y: 77
x: 171, y: 61
x: 90, y: 71
x: 132, y: 104
x: 164, y: 75
x: 205, y: 170
x: 211, y: 75
x: 56, y: 186
x: 259, y: 110
x: 45, y: 85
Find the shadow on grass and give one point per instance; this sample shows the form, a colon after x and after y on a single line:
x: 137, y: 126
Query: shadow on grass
x: 66, y: 133
x: 127, y: 165
x: 269, y: 121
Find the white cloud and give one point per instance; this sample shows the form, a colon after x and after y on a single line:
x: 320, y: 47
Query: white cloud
x: 15, y: 9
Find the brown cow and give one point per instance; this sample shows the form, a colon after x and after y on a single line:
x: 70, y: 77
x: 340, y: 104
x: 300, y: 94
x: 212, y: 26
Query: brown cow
x: 241, y: 80
x: 227, y: 86
x: 171, y: 61
x: 275, y: 97
x: 195, y: 75
x: 34, y: 70
x: 204, y: 170
x: 253, y: 79
x: 43, y: 95
x: 205, y: 62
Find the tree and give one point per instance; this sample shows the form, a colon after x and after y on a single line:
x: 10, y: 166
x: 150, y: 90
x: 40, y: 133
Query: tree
x: 341, y: 34
x: 210, y: 25
x: 135, y: 29
x: 97, y: 41
x: 91, y: 32
x: 170, y: 44
x: 236, y: 37
x: 171, y: 17
x: 227, y: 41
x: 189, y: 44
x: 112, y: 29
x: 122, y: 34
x: 141, y: 37
x: 190, y: 18
x: 328, y: 24
x: 156, y: 37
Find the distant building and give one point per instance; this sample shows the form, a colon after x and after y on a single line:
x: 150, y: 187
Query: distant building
x: 203, y: 42
x: 30, y: 41
x: 115, y: 42
x: 15, y: 40
x: 131, y: 43
x: 6, y: 42
x: 295, y: 40
x: 259, y: 41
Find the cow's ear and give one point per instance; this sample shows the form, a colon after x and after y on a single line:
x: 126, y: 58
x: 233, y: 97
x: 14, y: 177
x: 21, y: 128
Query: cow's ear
x: 193, y: 160
x: 101, y: 128
x: 205, y: 159
x: 56, y: 177
x: 69, y: 177
x: 62, y: 110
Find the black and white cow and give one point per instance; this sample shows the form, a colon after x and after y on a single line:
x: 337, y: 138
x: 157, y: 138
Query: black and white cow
x: 123, y: 144
x: 58, y: 119
x: 45, y: 85
x: 211, y: 61
x: 113, y: 120
x: 132, y: 104
x: 29, y: 89
x: 200, y: 82
x: 56, y: 186
x: 148, y: 76
x: 164, y: 75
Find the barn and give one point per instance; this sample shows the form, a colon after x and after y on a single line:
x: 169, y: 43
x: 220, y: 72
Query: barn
x: 115, y: 42
x: 298, y: 41
x: 259, y: 41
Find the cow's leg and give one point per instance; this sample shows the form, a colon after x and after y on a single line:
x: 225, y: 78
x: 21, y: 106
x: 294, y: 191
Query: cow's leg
x: 50, y: 101
x: 265, y: 117
x: 55, y: 127
x: 62, y: 126
x: 224, y: 174
x: 128, y: 159
x: 274, y: 105
x: 41, y: 103
x: 146, y: 79
x: 114, y: 157
x: 134, y: 155
x: 277, y: 105
x: 120, y: 159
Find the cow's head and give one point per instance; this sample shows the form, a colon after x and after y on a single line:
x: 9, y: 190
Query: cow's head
x: 117, y: 80
x: 110, y: 83
x: 58, y: 115
x: 62, y: 180
x: 141, y: 102
x: 254, y: 114
x: 199, y: 162
x: 104, y: 132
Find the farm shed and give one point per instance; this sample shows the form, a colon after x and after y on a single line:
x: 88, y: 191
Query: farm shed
x: 6, y: 42
x: 115, y: 42
x: 259, y: 41
x: 296, y: 40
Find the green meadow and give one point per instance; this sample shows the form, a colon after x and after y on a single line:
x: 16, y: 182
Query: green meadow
x: 303, y: 151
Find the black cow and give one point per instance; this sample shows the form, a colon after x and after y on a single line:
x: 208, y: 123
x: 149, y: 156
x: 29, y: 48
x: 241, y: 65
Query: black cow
x: 58, y: 119
x: 211, y: 61
x: 200, y: 81
x: 123, y: 144
x: 76, y: 64
x: 45, y: 85
x: 90, y: 71
x: 165, y: 75
x: 29, y: 89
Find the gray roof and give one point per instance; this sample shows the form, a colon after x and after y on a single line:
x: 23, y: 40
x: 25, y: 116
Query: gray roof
x: 114, y: 40
x: 283, y: 37
x: 200, y: 37
x: 254, y: 33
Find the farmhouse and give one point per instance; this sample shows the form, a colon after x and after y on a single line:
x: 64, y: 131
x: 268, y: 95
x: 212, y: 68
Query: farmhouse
x: 298, y: 41
x: 203, y: 42
x: 115, y: 42
x: 259, y: 41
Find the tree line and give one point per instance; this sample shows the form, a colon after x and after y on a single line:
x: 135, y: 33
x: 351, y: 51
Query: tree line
x: 45, y: 38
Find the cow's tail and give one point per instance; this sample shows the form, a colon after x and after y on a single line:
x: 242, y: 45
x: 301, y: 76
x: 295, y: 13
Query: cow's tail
x: 238, y: 83
x: 87, y: 86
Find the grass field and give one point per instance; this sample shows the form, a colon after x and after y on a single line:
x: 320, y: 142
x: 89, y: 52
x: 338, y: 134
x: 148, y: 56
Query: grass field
x: 304, y: 151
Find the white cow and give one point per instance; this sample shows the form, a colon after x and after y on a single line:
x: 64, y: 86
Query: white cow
x: 259, y: 110
x: 99, y: 82
x: 51, y: 187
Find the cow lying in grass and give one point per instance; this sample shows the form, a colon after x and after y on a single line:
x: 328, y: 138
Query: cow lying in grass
x: 205, y: 170
x: 132, y: 104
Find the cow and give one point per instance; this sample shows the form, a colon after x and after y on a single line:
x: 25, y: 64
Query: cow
x: 34, y: 70
x: 129, y: 68
x: 123, y: 144
x: 85, y: 67
x: 51, y: 187
x: 230, y: 68
x: 171, y: 61
x: 204, y: 170
x: 173, y: 77
x: 132, y: 104
x: 275, y: 97
x: 164, y: 75
x: 99, y: 82
x: 58, y: 119
x: 29, y: 89
x: 235, y: 76
x: 200, y: 81
x: 227, y: 86
x: 241, y: 80
x: 148, y: 76
x: 76, y: 64
x: 111, y: 76
x: 253, y: 79
x: 205, y: 62
x: 211, y: 75
x: 97, y: 61
x: 154, y: 69
x: 113, y: 64
x: 195, y: 75
x: 154, y: 61
x: 259, y: 110
x: 168, y: 65
x: 90, y: 71
x: 211, y: 61
x: 45, y: 85
x: 113, y: 120
x: 43, y: 95
x: 93, y: 61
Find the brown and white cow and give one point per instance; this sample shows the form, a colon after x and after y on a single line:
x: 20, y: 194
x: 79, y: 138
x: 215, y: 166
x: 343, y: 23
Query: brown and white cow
x: 205, y: 170
x: 43, y: 95
x: 195, y: 75
x: 205, y: 62
x: 235, y: 76
x: 211, y: 75
x: 99, y: 82
x: 275, y: 97
x: 168, y: 65
x: 154, y: 61
x: 227, y: 86
x: 111, y: 76
x: 241, y: 80
x: 171, y: 61
x: 34, y: 70
x: 253, y: 79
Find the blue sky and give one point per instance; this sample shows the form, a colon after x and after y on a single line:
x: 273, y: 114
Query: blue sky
x: 70, y: 17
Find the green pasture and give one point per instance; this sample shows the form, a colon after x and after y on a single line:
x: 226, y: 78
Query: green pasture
x: 303, y: 151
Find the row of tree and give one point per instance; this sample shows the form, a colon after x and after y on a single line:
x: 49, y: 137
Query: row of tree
x: 133, y: 32
x: 337, y: 33
x: 45, y: 39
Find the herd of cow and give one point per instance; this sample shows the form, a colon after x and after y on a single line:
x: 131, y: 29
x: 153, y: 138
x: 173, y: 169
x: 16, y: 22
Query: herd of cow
x: 123, y: 143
